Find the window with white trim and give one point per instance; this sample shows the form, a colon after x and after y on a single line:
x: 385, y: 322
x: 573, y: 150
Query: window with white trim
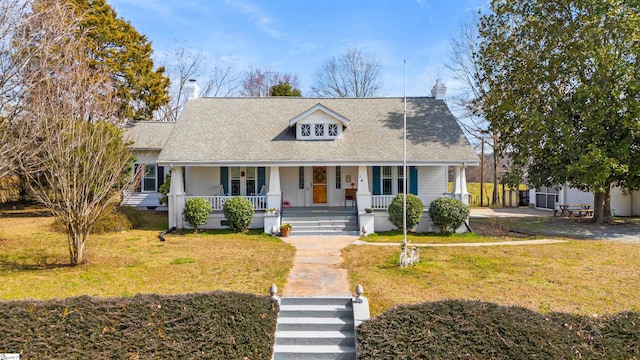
x: 333, y: 130
x: 387, y: 180
x: 318, y: 131
x: 305, y: 130
x: 391, y: 180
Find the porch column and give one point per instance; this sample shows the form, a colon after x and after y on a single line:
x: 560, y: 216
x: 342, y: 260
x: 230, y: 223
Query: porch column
x: 274, y: 195
x: 176, y: 198
x: 363, y: 194
x: 460, y: 185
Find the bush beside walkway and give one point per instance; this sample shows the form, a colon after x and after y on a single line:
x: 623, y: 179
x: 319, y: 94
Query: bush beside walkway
x: 192, y: 326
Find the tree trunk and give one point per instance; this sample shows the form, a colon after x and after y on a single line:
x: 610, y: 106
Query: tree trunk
x: 76, y: 241
x: 602, y: 207
x: 495, y: 199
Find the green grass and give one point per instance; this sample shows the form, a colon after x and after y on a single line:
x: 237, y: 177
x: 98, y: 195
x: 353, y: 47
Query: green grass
x: 34, y: 258
x: 580, y: 276
x: 432, y: 238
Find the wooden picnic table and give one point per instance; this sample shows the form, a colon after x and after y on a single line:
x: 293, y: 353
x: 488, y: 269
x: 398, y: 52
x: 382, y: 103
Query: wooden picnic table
x: 571, y: 209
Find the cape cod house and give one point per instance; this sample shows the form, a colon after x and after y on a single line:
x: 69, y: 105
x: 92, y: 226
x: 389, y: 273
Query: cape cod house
x: 326, y: 158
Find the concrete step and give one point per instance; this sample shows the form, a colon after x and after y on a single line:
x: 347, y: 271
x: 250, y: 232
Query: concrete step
x: 320, y: 352
x: 315, y: 338
x: 317, y: 311
x: 318, y: 300
x: 315, y: 328
x: 314, y: 324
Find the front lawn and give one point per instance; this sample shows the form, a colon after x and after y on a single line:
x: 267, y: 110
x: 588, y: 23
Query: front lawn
x: 579, y: 276
x: 435, y: 238
x: 34, y: 258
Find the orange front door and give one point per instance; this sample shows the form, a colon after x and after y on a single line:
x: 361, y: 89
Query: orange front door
x: 319, y: 184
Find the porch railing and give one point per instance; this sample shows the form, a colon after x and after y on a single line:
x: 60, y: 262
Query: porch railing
x: 217, y: 202
x: 382, y: 202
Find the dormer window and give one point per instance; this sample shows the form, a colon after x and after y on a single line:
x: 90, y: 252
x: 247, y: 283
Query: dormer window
x: 305, y: 130
x: 319, y: 123
x: 333, y: 130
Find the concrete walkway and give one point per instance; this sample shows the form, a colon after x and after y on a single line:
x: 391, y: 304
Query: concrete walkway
x: 316, y: 267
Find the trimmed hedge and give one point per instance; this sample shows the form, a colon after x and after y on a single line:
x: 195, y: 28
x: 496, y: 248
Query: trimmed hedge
x: 196, y: 212
x: 239, y: 213
x: 448, y: 213
x: 457, y: 329
x: 219, y: 325
x: 415, y: 208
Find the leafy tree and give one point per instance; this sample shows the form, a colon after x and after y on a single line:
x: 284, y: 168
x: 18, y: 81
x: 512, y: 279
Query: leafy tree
x: 196, y: 212
x: 563, y: 86
x: 415, y: 208
x: 73, y: 161
x: 114, y: 44
x: 284, y: 89
x: 259, y: 81
x: 448, y: 213
x: 356, y: 74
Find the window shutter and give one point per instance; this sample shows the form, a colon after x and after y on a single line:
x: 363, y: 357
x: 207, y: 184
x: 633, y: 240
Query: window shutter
x: 160, y: 177
x: 262, y: 178
x: 224, y: 179
x: 376, y: 181
x: 413, y: 180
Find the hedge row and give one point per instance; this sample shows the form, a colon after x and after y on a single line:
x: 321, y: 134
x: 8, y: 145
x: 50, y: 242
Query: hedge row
x: 456, y: 329
x: 192, y: 326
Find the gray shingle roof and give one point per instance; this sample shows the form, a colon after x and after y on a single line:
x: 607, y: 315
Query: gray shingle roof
x: 149, y: 135
x: 256, y: 130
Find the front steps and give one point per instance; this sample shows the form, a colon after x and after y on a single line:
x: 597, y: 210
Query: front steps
x: 321, y: 221
x: 315, y: 328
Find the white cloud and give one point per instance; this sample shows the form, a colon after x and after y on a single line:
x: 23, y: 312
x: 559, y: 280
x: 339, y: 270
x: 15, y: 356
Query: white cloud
x: 260, y: 18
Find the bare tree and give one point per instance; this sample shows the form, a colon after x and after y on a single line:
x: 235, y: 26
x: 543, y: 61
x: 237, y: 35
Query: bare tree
x: 216, y: 77
x: 259, y: 81
x: 461, y: 63
x: 13, y: 13
x: 75, y: 158
x: 354, y: 74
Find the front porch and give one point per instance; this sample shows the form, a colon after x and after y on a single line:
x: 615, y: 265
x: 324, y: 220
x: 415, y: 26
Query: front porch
x: 309, y: 190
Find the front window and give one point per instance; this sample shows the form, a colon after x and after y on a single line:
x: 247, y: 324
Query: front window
x: 149, y: 179
x: 400, y: 180
x: 251, y: 181
x: 235, y: 181
x: 387, y: 181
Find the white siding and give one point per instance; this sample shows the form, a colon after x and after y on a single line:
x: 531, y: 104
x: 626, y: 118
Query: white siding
x: 575, y: 196
x: 432, y: 180
x: 201, y: 180
x: 620, y: 202
x: 635, y: 203
x: 289, y: 185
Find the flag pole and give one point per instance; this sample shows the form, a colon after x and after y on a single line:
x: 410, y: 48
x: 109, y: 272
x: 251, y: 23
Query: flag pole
x: 404, y: 161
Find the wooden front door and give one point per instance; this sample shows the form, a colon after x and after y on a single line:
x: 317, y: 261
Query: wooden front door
x: 319, y: 184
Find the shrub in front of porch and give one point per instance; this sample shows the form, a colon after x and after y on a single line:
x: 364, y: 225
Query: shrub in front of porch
x: 239, y: 213
x: 415, y: 207
x: 196, y: 212
x: 448, y: 213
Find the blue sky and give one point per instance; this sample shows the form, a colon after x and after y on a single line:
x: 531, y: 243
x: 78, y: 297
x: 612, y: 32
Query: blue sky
x: 298, y: 36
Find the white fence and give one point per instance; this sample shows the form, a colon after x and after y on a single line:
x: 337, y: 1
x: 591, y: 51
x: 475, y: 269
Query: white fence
x: 382, y: 202
x: 217, y: 202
